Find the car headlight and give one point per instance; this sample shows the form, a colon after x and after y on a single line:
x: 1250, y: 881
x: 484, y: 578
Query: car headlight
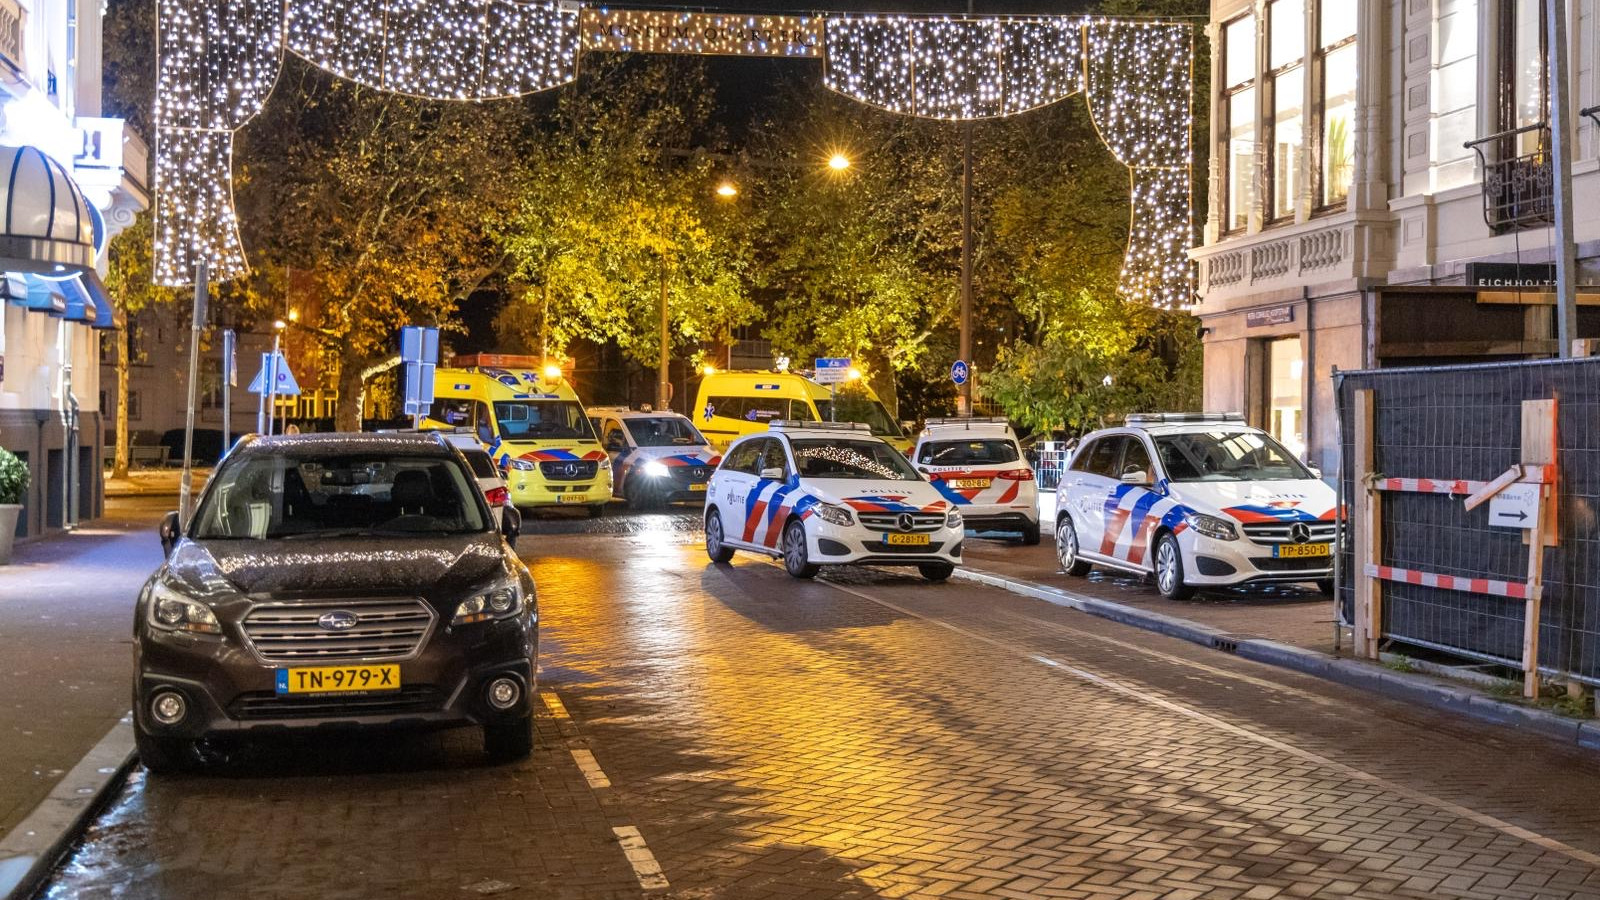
x: 605, y: 464
x: 655, y: 468
x: 1212, y: 527
x: 502, y: 601
x: 834, y: 514
x: 952, y: 519
x: 522, y: 465
x: 172, y: 611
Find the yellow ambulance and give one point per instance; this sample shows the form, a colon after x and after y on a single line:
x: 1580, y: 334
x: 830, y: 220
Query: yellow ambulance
x: 730, y: 405
x: 533, y: 425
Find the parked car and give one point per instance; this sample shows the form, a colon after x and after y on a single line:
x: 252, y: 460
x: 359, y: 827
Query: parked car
x: 977, y: 464
x: 818, y: 493
x: 490, y: 480
x: 334, y: 581
x: 657, y: 458
x: 1197, y: 500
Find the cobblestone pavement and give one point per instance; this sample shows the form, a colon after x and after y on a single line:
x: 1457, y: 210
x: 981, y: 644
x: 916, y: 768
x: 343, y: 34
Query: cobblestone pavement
x: 870, y: 735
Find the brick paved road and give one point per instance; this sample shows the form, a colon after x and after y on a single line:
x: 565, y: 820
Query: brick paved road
x: 868, y: 735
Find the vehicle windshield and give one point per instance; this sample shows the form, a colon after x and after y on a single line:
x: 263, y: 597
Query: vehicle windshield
x: 1227, y: 456
x: 275, y: 495
x: 983, y: 452
x: 663, y: 431
x: 522, y: 420
x: 819, y: 458
x: 862, y: 409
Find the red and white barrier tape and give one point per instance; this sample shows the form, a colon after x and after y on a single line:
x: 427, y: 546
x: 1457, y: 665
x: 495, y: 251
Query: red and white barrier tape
x: 1516, y: 590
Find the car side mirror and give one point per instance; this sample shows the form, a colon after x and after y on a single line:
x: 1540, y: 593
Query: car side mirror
x: 615, y: 442
x: 485, y: 434
x: 1315, y: 472
x: 510, y: 524
x: 772, y: 473
x: 924, y: 470
x: 1138, y: 479
x: 170, y: 531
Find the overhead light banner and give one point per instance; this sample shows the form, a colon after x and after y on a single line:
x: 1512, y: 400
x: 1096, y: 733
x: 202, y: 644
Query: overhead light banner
x: 673, y: 31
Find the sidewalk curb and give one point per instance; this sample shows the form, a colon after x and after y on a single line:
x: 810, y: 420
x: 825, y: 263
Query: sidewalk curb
x: 30, y: 851
x: 1419, y: 689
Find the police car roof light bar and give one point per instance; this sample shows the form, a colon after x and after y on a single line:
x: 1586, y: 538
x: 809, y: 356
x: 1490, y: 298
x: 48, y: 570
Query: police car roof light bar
x: 967, y: 421
x: 1182, y: 418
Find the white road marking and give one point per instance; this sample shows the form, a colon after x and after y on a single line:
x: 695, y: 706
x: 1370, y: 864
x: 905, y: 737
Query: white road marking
x: 591, y: 770
x: 645, y: 867
x: 554, y: 704
x: 1142, y: 696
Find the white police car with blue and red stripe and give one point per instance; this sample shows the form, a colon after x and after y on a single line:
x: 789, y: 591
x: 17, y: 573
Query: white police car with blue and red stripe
x: 817, y: 493
x: 1197, y: 500
x: 656, y: 457
x: 977, y: 464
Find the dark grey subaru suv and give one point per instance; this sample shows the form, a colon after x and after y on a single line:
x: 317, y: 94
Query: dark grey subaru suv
x: 333, y: 581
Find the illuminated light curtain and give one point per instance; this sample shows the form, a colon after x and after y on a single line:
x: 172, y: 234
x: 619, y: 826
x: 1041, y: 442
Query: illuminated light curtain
x: 440, y: 49
x: 950, y: 68
x: 1138, y: 88
x: 217, y: 61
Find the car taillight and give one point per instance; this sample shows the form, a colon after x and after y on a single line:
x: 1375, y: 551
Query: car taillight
x: 497, y: 496
x: 1017, y: 475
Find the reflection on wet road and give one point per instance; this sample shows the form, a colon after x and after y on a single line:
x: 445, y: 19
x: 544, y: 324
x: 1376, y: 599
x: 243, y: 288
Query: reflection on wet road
x: 863, y: 735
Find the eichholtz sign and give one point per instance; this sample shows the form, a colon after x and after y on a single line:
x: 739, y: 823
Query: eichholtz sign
x: 670, y: 31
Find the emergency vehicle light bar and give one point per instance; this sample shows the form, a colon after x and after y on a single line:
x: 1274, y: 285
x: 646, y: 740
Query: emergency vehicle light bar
x: 796, y: 425
x: 968, y: 421
x: 1180, y: 418
x: 495, y: 361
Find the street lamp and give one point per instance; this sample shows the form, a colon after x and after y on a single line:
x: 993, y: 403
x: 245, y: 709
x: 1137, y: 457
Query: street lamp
x: 838, y: 162
x: 727, y: 190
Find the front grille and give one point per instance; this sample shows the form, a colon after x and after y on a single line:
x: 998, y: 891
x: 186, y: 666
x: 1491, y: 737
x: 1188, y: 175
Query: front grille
x: 692, y: 474
x: 1307, y: 564
x: 259, y: 705
x: 289, y: 632
x: 574, y: 470
x: 891, y: 521
x: 1280, y: 532
x: 882, y: 549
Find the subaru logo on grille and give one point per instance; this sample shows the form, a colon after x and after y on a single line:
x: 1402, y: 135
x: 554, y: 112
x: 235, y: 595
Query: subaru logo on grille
x: 571, y: 470
x: 1300, y: 532
x: 906, y: 522
x: 338, y: 620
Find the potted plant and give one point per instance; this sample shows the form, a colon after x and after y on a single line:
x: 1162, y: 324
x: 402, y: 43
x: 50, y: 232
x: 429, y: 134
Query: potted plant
x: 13, y: 487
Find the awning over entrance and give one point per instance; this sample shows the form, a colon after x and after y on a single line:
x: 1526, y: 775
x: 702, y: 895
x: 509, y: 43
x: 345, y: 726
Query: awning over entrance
x: 49, y: 237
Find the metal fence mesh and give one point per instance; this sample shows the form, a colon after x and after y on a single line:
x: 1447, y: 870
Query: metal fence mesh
x: 1465, y: 422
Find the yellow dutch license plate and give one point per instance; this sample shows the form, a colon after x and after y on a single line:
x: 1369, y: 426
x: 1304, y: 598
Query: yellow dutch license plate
x: 908, y: 540
x: 697, y: 487
x: 569, y: 498
x: 971, y: 482
x: 1300, y: 551
x: 338, y: 679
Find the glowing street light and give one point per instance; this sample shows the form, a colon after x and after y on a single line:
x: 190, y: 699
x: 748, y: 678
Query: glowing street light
x: 854, y: 374
x: 708, y: 370
x: 727, y: 190
x: 838, y: 162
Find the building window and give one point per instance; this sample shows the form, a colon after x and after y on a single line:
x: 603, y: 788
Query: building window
x: 1239, y: 103
x: 1286, y: 367
x: 1454, y: 93
x: 1524, y: 76
x: 133, y: 406
x: 1336, y: 65
x: 1286, y: 51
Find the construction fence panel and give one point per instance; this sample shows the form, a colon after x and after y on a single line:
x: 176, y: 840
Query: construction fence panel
x: 1051, y: 458
x: 1464, y: 423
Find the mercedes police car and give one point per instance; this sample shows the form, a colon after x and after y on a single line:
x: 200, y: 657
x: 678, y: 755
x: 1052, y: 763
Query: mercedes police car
x: 1198, y: 500
x: 656, y: 457
x: 819, y: 493
x: 977, y: 464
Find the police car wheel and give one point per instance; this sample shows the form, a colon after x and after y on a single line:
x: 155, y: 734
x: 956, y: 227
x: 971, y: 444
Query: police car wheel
x: 641, y: 494
x: 1067, y: 548
x: 796, y: 560
x: 936, y: 572
x: 1169, y: 569
x: 715, y: 548
x: 1030, y: 535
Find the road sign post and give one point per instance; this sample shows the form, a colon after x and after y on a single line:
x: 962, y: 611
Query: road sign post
x: 419, y: 351
x: 230, y: 374
x: 830, y: 370
x: 959, y: 373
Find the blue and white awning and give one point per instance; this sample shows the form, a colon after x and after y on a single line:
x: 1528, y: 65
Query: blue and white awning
x: 50, y: 235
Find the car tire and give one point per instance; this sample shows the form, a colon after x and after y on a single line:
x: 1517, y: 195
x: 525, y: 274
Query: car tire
x: 1169, y: 569
x: 1325, y: 585
x: 718, y: 551
x: 937, y: 572
x: 796, y: 557
x: 508, y: 740
x: 164, y: 755
x: 1067, y: 548
x: 1030, y: 535
x: 597, y: 511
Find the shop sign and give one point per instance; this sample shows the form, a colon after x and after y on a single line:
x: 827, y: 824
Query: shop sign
x: 1272, y: 315
x: 1503, y: 275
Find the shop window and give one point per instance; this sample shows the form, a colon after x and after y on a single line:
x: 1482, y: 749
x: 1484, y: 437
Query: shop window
x: 1285, y: 394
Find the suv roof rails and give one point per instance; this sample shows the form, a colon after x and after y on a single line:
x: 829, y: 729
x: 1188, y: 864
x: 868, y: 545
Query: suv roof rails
x: 796, y: 425
x: 1183, y: 418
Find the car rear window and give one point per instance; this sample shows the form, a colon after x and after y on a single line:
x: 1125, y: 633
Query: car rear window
x: 480, y: 463
x: 982, y: 452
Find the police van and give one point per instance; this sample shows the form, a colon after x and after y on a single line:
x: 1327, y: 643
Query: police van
x: 533, y: 425
x: 730, y: 405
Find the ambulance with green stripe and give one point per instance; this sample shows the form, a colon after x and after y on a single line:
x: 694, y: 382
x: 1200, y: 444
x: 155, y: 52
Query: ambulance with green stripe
x: 532, y: 423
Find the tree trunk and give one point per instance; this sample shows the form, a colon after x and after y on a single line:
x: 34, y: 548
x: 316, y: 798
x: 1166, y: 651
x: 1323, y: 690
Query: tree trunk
x: 352, y: 393
x: 119, y: 465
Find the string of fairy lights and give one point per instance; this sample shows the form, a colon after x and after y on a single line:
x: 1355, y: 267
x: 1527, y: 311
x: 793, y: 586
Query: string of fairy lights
x: 219, y: 60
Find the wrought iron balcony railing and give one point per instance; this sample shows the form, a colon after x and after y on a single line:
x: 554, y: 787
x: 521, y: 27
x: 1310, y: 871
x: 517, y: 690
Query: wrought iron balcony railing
x: 1518, y: 186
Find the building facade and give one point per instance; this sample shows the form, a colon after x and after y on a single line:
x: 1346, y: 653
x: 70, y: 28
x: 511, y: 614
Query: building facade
x: 1351, y: 226
x: 73, y: 179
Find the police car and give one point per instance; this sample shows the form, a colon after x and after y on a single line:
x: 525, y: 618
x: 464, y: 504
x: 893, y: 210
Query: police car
x: 819, y: 493
x: 1197, y: 500
x: 977, y: 465
x: 656, y: 457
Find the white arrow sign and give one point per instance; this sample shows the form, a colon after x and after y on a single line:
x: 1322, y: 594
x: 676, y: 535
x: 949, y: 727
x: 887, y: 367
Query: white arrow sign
x: 1516, y: 506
